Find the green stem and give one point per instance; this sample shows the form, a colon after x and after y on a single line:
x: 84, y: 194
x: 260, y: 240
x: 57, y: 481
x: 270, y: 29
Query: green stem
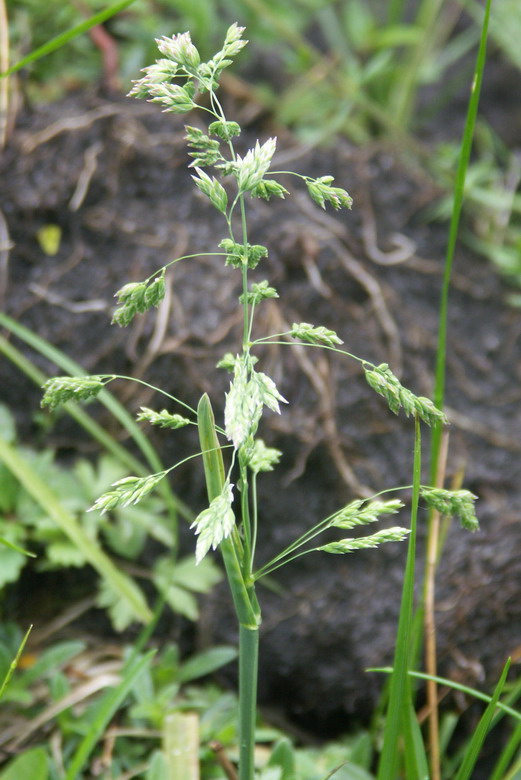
x: 294, y: 343
x: 459, y: 188
x: 399, y: 694
x: 243, y: 595
x: 248, y: 674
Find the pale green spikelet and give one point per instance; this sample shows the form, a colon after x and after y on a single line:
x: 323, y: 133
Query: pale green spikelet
x: 224, y: 129
x: 227, y: 362
x: 180, y: 50
x: 213, y: 189
x: 258, y: 292
x: 163, y: 418
x: 154, y: 292
x: 320, y: 191
x: 238, y: 255
x: 209, y: 72
x: 128, y: 490
x: 214, y: 524
x: 262, y: 458
x: 315, y: 335
x: 175, y: 98
x: 360, y: 512
x: 385, y: 383
x: 453, y: 503
x: 268, y: 392
x: 207, y: 150
x: 395, y: 534
x: 268, y: 188
x: 137, y: 298
x: 249, y: 391
x: 250, y: 169
x: 160, y: 72
x: 243, y: 407
x: 61, y: 389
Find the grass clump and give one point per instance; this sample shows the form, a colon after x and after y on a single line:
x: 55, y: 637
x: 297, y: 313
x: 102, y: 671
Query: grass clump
x: 232, y: 454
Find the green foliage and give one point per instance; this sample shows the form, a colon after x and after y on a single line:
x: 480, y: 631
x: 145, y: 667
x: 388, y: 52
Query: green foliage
x: 34, y: 763
x: 26, y: 522
x: 234, y: 528
x: 492, y: 200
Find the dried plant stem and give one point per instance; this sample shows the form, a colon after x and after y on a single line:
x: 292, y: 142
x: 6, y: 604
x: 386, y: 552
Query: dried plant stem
x: 430, y: 620
x: 223, y: 760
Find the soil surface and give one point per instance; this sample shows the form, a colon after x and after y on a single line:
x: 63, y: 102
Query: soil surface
x: 113, y: 177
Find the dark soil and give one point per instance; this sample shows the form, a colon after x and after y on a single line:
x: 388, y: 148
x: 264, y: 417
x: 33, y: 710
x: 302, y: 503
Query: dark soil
x: 113, y: 177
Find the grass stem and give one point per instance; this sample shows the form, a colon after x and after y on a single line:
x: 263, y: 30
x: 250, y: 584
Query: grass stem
x: 248, y: 670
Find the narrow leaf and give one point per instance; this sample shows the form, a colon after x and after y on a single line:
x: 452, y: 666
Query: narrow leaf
x: 68, y: 35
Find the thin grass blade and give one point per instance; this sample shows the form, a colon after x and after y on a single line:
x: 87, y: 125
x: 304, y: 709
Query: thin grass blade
x: 416, y: 763
x: 507, y: 755
x: 67, y: 36
x: 478, y: 738
x: 459, y: 190
x: 399, y: 693
x: 15, y: 661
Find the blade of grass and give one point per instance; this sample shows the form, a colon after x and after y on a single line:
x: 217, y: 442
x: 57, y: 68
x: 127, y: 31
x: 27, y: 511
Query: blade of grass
x: 399, y: 693
x: 66, y: 363
x: 63, y: 38
x: 507, y: 754
x: 406, y: 86
x: 105, y: 711
x: 42, y: 494
x: 4, y: 63
x: 455, y: 686
x: 416, y: 764
x: 459, y: 190
x: 15, y: 661
x: 476, y: 743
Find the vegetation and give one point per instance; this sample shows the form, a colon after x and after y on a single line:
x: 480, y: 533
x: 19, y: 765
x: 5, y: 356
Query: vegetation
x: 140, y: 720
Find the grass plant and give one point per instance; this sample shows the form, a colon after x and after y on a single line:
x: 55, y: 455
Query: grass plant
x: 181, y: 82
x: 232, y: 454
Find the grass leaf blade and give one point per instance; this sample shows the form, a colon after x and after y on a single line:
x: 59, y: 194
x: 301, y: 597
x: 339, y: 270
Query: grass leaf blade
x: 459, y: 188
x: 399, y: 694
x: 482, y: 729
x: 64, y: 38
